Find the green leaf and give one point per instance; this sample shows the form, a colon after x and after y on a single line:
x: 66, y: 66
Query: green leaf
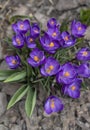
x: 17, y: 96
x: 30, y: 102
x: 64, y: 26
x: 85, y: 16
x: 16, y: 76
x: 17, y: 17
x: 5, y: 73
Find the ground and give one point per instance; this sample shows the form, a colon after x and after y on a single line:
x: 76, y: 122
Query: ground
x: 76, y: 115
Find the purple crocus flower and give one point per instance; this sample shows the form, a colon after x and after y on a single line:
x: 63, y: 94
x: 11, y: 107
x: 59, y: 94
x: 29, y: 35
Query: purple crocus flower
x: 51, y: 67
x: 36, y: 58
x: 35, y: 30
x: 52, y: 23
x: 13, y: 61
x: 54, y: 33
x: 73, y: 89
x: 53, y: 104
x: 84, y: 70
x: 18, y: 41
x: 67, y: 39
x: 78, y: 29
x: 66, y: 74
x: 21, y: 26
x: 49, y: 44
x: 30, y: 42
x: 83, y: 54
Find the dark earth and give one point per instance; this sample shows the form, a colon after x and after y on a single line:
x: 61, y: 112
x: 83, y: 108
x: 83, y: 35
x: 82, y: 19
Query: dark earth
x: 76, y: 114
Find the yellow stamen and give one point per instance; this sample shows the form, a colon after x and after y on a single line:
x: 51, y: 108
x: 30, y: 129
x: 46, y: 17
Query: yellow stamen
x: 67, y: 74
x: 51, y: 67
x: 66, y: 38
x: 31, y: 40
x: 85, y: 53
x: 79, y: 28
x: 54, y: 34
x: 52, y: 104
x: 51, y: 44
x: 73, y: 88
x: 36, y: 58
x: 18, y: 41
x: 14, y: 62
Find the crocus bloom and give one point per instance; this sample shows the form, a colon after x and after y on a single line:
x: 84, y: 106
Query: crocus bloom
x: 66, y: 74
x: 51, y: 67
x: 30, y: 42
x: 13, y: 61
x: 52, y: 23
x: 18, y: 41
x: 35, y: 30
x: 73, y: 89
x: 54, y: 33
x: 53, y: 104
x: 21, y: 26
x: 84, y: 70
x: 36, y: 58
x: 83, y: 54
x: 49, y: 44
x: 78, y: 29
x: 67, y: 39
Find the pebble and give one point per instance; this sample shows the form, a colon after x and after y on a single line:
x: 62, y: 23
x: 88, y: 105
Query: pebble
x: 16, y: 127
x: 3, y: 103
x: 1, y: 54
x: 2, y: 127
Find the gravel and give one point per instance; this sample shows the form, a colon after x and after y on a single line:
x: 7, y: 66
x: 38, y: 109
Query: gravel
x: 76, y: 114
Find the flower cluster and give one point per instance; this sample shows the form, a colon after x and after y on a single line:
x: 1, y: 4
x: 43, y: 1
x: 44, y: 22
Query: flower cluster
x: 42, y: 47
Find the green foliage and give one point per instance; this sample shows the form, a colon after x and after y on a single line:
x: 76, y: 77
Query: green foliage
x: 18, y: 96
x: 4, y: 74
x: 64, y: 26
x: 85, y: 16
x: 16, y: 77
x: 30, y: 101
x: 17, y: 17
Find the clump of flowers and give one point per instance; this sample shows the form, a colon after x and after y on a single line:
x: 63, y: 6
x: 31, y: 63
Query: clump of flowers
x: 44, y: 57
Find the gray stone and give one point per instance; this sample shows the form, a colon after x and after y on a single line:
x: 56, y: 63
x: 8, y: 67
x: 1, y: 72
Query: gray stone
x: 66, y: 4
x: 1, y: 52
x: 57, y: 128
x: 2, y: 127
x: 22, y: 10
x: 16, y: 127
x: 71, y: 4
x: 84, y: 2
x: 42, y: 19
x: 10, y: 89
x: 87, y: 34
x: 3, y: 66
x: 3, y: 103
x: 46, y: 123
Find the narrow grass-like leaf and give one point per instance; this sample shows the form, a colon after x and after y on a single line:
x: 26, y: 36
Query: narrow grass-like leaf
x: 16, y: 76
x: 30, y: 102
x: 85, y: 16
x: 17, y: 17
x: 5, y: 73
x: 17, y: 96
